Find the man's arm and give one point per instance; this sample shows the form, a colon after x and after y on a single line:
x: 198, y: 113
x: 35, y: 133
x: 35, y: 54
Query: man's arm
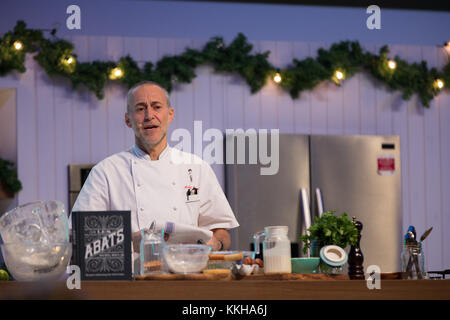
x: 220, y: 240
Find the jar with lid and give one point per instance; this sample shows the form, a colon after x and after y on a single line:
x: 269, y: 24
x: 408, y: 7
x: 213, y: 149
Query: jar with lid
x: 151, y: 257
x: 276, y: 249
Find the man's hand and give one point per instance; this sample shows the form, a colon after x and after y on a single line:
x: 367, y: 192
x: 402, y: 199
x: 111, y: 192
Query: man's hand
x: 220, y: 240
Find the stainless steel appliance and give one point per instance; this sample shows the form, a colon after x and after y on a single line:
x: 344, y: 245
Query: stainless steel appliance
x: 78, y: 174
x: 359, y: 175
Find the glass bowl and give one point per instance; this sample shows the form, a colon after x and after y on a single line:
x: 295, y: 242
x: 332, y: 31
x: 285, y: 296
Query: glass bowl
x: 36, y: 261
x: 186, y: 258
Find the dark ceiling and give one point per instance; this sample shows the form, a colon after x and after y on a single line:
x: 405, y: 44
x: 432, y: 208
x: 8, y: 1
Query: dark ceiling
x: 409, y: 5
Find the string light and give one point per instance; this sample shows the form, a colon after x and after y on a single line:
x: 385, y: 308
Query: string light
x: 18, y: 45
x: 438, y: 84
x: 68, y: 63
x: 69, y: 59
x: 339, y: 75
x: 447, y: 45
x: 116, y: 73
x: 391, y: 64
x: 277, y: 77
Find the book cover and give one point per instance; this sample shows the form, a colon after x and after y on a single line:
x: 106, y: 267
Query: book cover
x: 102, y: 244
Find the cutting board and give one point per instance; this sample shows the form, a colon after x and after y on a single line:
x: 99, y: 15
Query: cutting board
x: 202, y: 276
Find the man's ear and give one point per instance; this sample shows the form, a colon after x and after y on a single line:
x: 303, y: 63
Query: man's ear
x: 128, y: 121
x: 171, y: 114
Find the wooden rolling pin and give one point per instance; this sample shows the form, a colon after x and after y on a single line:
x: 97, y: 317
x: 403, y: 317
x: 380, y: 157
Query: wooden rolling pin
x: 226, y: 257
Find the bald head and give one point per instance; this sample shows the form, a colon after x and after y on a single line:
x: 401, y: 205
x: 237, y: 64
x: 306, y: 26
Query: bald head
x: 130, y: 94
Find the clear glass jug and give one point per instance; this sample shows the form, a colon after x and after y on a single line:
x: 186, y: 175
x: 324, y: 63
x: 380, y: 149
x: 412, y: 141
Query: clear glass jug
x: 151, y: 252
x: 276, y: 249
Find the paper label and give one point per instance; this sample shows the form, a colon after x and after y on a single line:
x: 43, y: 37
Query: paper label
x: 386, y: 164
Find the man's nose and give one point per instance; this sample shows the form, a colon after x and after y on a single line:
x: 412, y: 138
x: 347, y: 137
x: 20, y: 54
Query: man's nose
x: 149, y: 114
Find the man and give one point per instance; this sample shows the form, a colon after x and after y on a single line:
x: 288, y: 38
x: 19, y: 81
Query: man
x: 152, y: 182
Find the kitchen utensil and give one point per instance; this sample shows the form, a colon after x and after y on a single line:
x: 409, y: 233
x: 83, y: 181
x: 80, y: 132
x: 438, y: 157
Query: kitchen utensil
x: 305, y: 265
x: 276, y: 249
x: 151, y: 257
x: 36, y: 242
x: 186, y: 258
x: 426, y: 234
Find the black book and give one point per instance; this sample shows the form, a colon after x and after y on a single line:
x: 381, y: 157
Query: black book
x: 102, y: 244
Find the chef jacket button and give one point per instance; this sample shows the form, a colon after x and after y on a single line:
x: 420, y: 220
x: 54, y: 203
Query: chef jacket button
x: 142, y: 209
x: 139, y: 184
x: 174, y: 208
x: 174, y: 183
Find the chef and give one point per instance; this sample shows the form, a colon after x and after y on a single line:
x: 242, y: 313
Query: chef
x: 157, y: 182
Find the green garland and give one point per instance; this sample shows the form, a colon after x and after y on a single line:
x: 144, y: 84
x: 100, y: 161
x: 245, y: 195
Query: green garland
x: 348, y: 57
x: 8, y: 176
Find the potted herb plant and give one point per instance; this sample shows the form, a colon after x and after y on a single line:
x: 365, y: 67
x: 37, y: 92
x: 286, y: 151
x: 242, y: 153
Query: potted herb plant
x: 330, y: 230
x: 9, y: 181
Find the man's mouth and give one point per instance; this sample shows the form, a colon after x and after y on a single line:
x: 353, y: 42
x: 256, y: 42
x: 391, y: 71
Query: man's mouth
x: 150, y: 127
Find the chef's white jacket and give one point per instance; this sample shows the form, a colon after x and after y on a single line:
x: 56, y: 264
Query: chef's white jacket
x: 161, y: 190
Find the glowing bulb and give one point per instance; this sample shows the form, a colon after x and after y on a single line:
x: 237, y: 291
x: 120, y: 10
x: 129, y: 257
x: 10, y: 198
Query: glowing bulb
x: 277, y: 78
x: 339, y: 75
x: 18, y: 45
x: 69, y: 60
x: 439, y: 84
x: 392, y: 64
x: 116, y: 73
x: 447, y: 44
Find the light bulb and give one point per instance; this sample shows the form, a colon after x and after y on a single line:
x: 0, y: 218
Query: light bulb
x: 18, y: 45
x: 339, y: 75
x: 277, y: 78
x: 439, y: 84
x: 69, y: 60
x: 447, y: 44
x: 116, y: 73
x: 392, y: 64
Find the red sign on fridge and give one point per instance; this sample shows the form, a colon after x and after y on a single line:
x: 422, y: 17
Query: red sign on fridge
x: 386, y: 164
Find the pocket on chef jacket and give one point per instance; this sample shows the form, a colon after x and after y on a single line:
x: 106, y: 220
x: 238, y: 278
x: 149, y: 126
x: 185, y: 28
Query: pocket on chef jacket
x: 193, y: 205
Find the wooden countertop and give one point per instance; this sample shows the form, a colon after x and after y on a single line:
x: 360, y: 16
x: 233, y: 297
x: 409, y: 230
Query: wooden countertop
x: 231, y: 290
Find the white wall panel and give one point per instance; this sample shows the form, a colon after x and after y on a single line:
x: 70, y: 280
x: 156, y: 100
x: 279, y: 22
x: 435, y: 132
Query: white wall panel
x: 319, y: 100
x: 302, y: 105
x: 58, y: 126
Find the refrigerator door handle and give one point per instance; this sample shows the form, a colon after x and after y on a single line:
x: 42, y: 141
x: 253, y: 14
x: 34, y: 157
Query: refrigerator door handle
x: 319, y: 202
x: 306, y: 211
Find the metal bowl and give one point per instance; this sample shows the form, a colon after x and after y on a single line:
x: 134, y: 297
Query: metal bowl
x: 186, y: 258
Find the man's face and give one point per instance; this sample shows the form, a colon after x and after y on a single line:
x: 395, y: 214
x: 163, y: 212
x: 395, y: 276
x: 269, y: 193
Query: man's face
x: 149, y: 116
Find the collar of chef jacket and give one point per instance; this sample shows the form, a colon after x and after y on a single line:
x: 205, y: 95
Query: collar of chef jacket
x: 141, y: 154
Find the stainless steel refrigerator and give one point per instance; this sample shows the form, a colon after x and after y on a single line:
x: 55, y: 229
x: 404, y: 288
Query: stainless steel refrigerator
x: 356, y: 174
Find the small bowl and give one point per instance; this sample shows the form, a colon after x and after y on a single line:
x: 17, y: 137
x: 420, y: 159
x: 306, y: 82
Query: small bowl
x: 304, y: 265
x: 35, y: 261
x: 186, y: 258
